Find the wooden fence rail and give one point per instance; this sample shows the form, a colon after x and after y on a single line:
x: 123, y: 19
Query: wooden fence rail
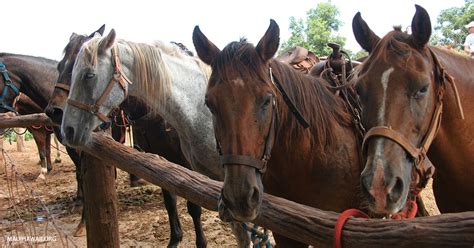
x: 294, y: 220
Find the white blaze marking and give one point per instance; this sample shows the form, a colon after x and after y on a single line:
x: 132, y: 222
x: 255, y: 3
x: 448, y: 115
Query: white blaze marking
x: 381, y: 114
x: 238, y: 82
x: 384, y: 82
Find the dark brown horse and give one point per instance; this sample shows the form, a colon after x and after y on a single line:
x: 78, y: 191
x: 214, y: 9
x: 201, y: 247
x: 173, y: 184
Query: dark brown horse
x: 318, y: 166
x: 403, y: 84
x: 150, y: 133
x: 41, y: 134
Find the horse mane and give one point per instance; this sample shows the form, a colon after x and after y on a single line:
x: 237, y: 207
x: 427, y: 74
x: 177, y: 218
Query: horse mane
x: 151, y: 74
x: 322, y: 108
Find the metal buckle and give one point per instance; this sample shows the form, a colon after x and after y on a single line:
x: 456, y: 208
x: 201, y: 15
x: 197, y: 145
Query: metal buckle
x: 93, y: 109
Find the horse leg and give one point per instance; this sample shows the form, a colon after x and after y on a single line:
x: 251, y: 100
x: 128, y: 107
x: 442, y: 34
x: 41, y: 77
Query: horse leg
x: 81, y: 228
x: 283, y: 242
x: 47, y: 147
x: 241, y: 235
x: 175, y: 226
x: 421, y: 208
x: 39, y: 138
x: 195, y: 212
x: 58, y: 154
x: 76, y: 159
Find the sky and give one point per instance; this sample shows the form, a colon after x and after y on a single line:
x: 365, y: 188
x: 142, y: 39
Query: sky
x: 42, y: 28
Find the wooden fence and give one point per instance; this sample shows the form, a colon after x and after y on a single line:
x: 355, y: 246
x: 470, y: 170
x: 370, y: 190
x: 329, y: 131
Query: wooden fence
x: 299, y: 222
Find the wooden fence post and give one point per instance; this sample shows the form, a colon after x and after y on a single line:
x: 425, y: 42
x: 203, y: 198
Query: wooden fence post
x: 100, y: 202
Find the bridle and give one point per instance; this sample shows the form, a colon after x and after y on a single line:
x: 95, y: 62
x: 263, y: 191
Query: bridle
x: 423, y: 169
x: 9, y: 86
x: 261, y: 163
x: 117, y: 77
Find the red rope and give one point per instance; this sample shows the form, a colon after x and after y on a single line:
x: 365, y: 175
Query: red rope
x: 343, y: 217
x: 408, y: 212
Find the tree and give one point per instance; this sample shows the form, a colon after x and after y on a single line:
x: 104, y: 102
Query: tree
x: 450, y: 28
x: 319, y: 28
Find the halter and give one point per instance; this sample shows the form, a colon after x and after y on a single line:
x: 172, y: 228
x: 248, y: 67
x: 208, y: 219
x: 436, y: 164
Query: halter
x: 118, y: 77
x: 423, y: 168
x: 8, y: 86
x: 261, y: 163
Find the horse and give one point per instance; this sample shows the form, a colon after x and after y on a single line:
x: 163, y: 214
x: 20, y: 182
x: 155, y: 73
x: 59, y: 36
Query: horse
x: 150, y: 133
x: 412, y: 109
x: 168, y: 81
x: 277, y: 129
x: 41, y: 134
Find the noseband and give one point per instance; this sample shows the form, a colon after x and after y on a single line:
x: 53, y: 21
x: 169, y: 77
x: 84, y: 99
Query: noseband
x: 261, y: 163
x: 8, y: 86
x: 117, y: 77
x: 423, y: 169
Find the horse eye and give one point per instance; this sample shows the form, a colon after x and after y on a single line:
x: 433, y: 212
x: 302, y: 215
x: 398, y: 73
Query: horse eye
x: 208, y: 105
x: 421, y: 92
x: 89, y: 75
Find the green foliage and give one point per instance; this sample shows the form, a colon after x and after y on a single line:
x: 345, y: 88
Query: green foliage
x: 360, y: 54
x: 450, y: 28
x: 11, y: 135
x: 320, y: 28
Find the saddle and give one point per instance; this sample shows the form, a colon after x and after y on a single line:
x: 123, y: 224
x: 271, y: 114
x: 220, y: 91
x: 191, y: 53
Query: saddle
x: 299, y: 58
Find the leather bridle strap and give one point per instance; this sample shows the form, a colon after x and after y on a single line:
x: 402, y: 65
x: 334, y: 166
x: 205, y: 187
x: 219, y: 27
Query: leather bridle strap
x: 291, y: 105
x: 118, y: 77
x: 258, y: 163
x: 62, y: 86
x: 8, y: 86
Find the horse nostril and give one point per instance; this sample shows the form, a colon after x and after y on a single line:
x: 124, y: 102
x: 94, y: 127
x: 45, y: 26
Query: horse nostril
x: 69, y: 132
x: 365, y: 185
x: 396, y: 191
x: 254, y: 196
x: 57, y: 115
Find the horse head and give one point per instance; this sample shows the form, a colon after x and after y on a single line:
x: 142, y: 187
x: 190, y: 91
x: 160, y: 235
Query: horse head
x: 398, y: 85
x: 58, y: 99
x: 243, y: 104
x: 98, y: 86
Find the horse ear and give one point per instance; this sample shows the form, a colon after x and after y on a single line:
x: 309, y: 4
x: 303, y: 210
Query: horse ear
x: 205, y: 49
x: 268, y: 44
x: 107, y: 42
x: 366, y: 38
x: 98, y: 31
x: 73, y: 36
x: 420, y: 27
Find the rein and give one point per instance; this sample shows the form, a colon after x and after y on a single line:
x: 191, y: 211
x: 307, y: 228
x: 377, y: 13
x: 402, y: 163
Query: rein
x: 117, y: 77
x: 9, y: 86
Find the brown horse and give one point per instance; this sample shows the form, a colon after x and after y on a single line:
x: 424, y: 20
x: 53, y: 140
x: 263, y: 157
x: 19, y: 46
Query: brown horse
x: 403, y: 84
x: 41, y: 134
x: 150, y: 134
x: 318, y: 166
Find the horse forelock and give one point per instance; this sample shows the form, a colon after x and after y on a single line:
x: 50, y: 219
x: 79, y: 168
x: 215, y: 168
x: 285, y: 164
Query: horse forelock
x: 239, y: 59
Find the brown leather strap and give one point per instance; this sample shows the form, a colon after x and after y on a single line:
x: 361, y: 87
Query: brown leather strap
x: 93, y: 109
x: 387, y: 132
x: 258, y: 164
x: 64, y: 87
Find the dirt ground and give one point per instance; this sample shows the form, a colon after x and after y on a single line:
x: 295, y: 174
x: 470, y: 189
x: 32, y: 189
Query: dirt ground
x: 143, y: 221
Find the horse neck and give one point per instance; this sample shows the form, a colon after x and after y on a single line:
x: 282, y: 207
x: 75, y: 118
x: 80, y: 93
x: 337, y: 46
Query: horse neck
x: 35, y: 76
x: 184, y: 108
